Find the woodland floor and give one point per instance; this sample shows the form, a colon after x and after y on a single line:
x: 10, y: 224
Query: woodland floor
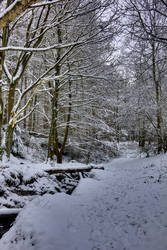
x: 123, y: 207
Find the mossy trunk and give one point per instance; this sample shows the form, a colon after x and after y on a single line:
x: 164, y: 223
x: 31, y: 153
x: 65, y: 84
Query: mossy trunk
x: 10, y: 127
x: 9, y: 140
x: 11, y: 97
x: 5, y: 37
x: 1, y: 110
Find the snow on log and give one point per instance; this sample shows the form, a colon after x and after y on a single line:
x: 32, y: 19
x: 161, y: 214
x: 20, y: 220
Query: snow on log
x: 72, y: 169
x: 38, y: 135
x: 7, y: 217
x: 10, y: 213
x: 97, y: 167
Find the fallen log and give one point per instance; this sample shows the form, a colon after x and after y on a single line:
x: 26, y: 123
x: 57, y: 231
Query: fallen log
x: 7, y: 217
x: 97, y: 167
x: 71, y: 170
x: 67, y: 170
x: 7, y: 214
x: 38, y: 135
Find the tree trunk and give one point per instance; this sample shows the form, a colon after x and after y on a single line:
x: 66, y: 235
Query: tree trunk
x: 1, y: 110
x: 25, y: 101
x: 59, y: 157
x: 142, y: 135
x: 10, y: 128
x: 157, y: 97
x: 5, y: 38
x: 11, y: 97
x: 53, y: 144
x: 9, y: 140
x: 15, y: 11
x: 68, y: 120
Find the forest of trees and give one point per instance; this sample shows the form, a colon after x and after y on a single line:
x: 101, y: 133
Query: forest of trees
x: 84, y: 74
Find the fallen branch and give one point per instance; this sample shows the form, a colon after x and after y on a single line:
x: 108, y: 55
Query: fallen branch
x: 7, y: 217
x: 72, y: 170
x: 38, y: 135
x: 8, y: 213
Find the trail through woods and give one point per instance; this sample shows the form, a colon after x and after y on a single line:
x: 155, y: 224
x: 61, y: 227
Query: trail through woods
x: 120, y: 208
x: 130, y: 208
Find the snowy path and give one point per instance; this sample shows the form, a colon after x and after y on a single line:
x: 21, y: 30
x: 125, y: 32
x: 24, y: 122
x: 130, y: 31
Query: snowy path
x: 125, y: 212
x: 123, y: 208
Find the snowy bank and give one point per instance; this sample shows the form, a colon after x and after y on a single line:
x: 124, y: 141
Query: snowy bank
x: 49, y: 222
x: 23, y: 180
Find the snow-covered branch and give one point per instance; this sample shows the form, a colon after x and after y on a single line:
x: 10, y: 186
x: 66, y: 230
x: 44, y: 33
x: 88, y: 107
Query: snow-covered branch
x: 46, y: 73
x: 48, y: 79
x: 27, y: 115
x: 6, y: 70
x: 89, y: 76
x: 45, y: 3
x: 55, y: 46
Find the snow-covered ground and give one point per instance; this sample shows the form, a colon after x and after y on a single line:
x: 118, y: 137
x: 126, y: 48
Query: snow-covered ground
x: 129, y: 150
x: 123, y: 207
x: 21, y: 180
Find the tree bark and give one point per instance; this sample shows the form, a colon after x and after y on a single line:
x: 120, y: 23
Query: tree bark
x: 9, y: 140
x: 11, y: 97
x: 1, y: 109
x: 157, y: 96
x: 53, y: 145
x: 10, y: 127
x: 15, y: 10
x: 142, y: 134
